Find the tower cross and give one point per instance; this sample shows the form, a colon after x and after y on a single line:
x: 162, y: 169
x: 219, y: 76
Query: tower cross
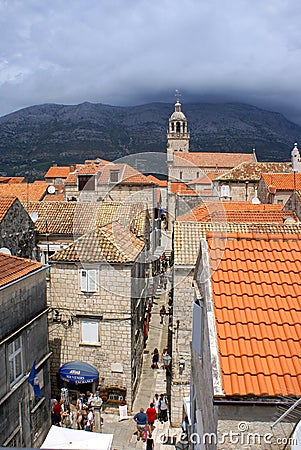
x: 177, y: 94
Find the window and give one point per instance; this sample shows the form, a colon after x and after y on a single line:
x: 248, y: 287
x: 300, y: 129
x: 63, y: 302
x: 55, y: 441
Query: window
x: 88, y: 280
x: 90, y: 331
x: 15, y: 360
x: 86, y: 182
x: 114, y: 176
x: 181, y: 175
x: 225, y: 191
x: 279, y: 201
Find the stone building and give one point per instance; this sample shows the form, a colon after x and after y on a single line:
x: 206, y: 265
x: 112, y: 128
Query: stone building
x: 17, y: 231
x: 276, y: 188
x: 187, y: 236
x: 24, y: 418
x: 57, y: 224
x: 241, y: 182
x: 245, y: 340
x: 185, y: 166
x: 98, y: 295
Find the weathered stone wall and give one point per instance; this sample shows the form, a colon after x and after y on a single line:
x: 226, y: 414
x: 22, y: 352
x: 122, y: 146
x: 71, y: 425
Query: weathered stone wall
x: 20, y: 304
x: 17, y: 231
x: 249, y: 427
x: 113, y: 303
x: 181, y: 339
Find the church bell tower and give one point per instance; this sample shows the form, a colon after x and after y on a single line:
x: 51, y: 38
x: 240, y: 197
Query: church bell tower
x: 178, y: 135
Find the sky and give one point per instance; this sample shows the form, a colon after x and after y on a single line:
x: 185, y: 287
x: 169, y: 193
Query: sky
x: 130, y: 52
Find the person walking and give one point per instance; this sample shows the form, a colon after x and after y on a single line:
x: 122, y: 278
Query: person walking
x: 151, y: 416
x: 156, y: 400
x: 155, y: 359
x: 163, y: 408
x: 162, y: 315
x: 141, y: 421
x: 150, y: 442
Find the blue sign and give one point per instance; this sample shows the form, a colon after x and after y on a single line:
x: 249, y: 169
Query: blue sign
x: 78, y: 372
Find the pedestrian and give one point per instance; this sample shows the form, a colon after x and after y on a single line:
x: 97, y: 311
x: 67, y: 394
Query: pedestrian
x: 156, y: 403
x: 162, y: 315
x: 151, y: 416
x: 90, y: 420
x: 141, y: 421
x: 56, y: 413
x: 163, y: 408
x: 155, y: 359
x: 150, y: 442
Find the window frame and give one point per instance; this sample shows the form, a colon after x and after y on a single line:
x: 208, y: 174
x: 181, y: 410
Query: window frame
x: 91, y: 284
x: 12, y: 358
x: 90, y: 321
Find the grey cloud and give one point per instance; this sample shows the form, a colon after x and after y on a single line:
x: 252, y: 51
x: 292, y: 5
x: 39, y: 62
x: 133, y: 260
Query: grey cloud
x: 129, y: 52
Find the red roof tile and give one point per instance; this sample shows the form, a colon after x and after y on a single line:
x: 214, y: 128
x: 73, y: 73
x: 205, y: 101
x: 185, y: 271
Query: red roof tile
x: 211, y: 159
x: 283, y: 181
x: 225, y: 211
x: 12, y: 268
x: 24, y: 191
x: 162, y: 183
x: 256, y: 291
x: 5, y: 204
x: 58, y: 172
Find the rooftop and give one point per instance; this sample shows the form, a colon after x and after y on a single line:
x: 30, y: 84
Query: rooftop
x: 25, y: 192
x: 5, y: 204
x: 256, y: 291
x: 13, y: 268
x: 75, y: 218
x: 212, y: 159
x: 226, y: 211
x: 252, y: 171
x: 58, y: 172
x: 283, y: 181
x: 187, y: 235
x: 111, y: 243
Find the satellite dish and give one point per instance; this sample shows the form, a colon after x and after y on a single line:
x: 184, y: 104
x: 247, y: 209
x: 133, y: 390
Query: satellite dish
x: 34, y: 216
x: 255, y: 201
x: 5, y: 250
x: 289, y: 219
x: 51, y: 189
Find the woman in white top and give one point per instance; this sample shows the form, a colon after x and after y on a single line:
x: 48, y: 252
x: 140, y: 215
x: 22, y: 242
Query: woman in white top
x: 156, y: 403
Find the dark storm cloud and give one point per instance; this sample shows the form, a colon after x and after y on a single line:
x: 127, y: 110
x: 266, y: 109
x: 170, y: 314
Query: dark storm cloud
x: 134, y: 51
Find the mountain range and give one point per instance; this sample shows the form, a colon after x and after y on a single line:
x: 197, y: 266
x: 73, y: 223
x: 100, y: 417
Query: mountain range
x: 34, y: 138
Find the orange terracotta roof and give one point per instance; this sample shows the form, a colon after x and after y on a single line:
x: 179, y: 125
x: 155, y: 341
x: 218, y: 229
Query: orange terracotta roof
x: 256, y: 291
x: 218, y: 211
x: 5, y: 205
x: 182, y: 189
x: 187, y: 235
x: 283, y: 181
x: 211, y: 159
x: 112, y: 243
x: 24, y: 191
x: 161, y: 183
x: 58, y: 172
x: 12, y: 268
x: 9, y: 180
x: 252, y: 171
x: 59, y: 197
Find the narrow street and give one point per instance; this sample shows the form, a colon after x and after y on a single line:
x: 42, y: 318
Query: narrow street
x: 152, y: 381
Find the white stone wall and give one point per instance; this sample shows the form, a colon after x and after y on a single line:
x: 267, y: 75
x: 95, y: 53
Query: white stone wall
x: 181, y: 339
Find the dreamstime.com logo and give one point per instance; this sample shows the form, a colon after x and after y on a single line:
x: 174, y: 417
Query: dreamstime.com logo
x: 240, y: 437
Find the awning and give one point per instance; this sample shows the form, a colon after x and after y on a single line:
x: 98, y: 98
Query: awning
x: 78, y: 372
x: 63, y: 438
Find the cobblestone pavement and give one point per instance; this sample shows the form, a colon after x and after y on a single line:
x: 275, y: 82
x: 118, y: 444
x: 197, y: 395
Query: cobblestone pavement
x: 152, y: 381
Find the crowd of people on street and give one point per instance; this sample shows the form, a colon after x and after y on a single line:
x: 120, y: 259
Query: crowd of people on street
x: 157, y: 410
x: 82, y: 417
